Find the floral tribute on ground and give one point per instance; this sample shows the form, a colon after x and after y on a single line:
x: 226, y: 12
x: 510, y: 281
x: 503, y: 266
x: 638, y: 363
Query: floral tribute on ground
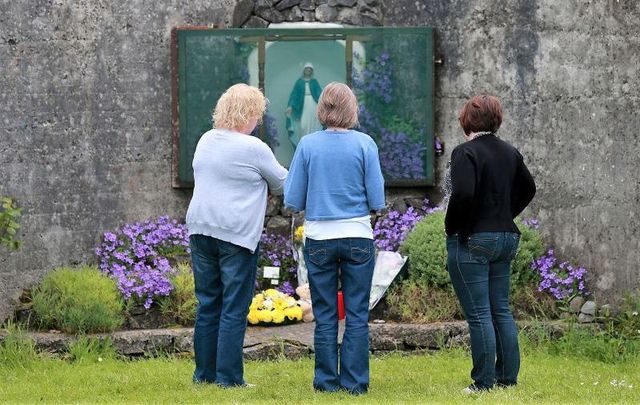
x: 273, y: 307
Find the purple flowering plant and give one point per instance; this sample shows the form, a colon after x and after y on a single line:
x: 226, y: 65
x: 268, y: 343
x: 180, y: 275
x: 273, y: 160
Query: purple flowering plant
x: 402, y: 151
x: 563, y: 280
x: 375, y: 80
x: 137, y: 256
x: 392, y: 229
x: 276, y: 250
x: 532, y: 223
x: 270, y: 131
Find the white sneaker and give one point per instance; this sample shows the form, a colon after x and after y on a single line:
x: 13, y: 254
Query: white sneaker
x: 471, y: 390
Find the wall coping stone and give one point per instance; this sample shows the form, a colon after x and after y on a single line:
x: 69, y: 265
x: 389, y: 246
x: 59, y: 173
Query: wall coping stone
x: 269, y: 343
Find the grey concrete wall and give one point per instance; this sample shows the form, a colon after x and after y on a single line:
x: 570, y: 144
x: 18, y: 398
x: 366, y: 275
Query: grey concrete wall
x: 85, y: 134
x: 567, y: 74
x: 85, y: 127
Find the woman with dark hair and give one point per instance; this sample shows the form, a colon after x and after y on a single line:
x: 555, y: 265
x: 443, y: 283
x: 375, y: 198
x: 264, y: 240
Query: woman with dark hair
x: 490, y: 186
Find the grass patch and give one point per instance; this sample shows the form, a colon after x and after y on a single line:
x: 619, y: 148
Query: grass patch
x: 545, y: 378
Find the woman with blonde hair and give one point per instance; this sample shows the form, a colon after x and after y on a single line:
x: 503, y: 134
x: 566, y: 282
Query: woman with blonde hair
x: 232, y: 172
x: 335, y: 178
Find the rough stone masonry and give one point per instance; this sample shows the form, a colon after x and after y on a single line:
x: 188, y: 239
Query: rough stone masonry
x: 85, y: 127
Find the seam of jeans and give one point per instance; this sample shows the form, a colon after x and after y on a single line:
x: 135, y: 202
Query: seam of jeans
x: 499, y: 337
x: 484, y: 339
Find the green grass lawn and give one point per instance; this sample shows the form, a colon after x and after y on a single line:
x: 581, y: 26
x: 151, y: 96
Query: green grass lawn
x: 432, y: 378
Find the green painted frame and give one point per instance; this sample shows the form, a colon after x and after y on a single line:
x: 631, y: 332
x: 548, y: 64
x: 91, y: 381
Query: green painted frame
x: 183, y: 147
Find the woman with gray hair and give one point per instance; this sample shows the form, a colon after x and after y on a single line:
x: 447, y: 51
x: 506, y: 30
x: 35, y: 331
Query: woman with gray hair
x: 335, y: 178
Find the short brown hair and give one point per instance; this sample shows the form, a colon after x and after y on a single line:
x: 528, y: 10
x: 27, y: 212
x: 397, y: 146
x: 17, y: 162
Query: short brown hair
x: 238, y: 105
x: 338, y: 106
x: 481, y: 113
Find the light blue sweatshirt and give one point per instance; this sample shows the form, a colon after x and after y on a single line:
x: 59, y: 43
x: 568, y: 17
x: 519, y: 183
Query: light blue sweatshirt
x: 335, y: 175
x: 232, y: 172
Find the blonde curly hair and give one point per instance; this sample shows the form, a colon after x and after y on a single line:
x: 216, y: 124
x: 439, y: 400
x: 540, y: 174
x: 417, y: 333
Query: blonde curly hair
x: 238, y: 105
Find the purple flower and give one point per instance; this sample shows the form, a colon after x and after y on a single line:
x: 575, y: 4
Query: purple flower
x: 136, y: 256
x: 276, y: 250
x: 532, y: 223
x: 392, y: 229
x: 563, y: 280
x: 286, y: 288
x: 271, y: 131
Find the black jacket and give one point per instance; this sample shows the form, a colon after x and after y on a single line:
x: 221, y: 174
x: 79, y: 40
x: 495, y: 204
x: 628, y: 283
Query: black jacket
x: 491, y: 185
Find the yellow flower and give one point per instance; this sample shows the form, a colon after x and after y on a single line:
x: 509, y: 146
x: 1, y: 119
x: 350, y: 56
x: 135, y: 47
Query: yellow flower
x: 278, y: 316
x: 257, y: 300
x: 299, y: 234
x: 293, y: 313
x: 272, y: 293
x: 265, y: 316
x: 253, y: 317
x: 280, y: 303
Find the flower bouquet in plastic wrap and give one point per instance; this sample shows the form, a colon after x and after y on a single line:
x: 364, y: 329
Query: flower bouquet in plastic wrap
x: 298, y: 247
x: 272, y: 307
x: 388, y: 265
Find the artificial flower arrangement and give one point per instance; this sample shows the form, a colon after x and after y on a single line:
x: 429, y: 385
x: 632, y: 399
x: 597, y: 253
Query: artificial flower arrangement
x: 274, y: 307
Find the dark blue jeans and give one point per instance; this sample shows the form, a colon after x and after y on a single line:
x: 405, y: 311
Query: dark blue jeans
x: 224, y: 276
x: 480, y: 270
x: 355, y: 259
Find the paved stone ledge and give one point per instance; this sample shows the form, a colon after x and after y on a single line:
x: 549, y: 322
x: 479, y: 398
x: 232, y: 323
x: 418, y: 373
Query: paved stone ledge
x: 268, y: 343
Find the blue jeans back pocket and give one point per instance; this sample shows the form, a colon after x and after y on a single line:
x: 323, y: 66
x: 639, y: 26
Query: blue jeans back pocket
x: 361, y: 250
x: 317, y: 251
x: 482, y: 248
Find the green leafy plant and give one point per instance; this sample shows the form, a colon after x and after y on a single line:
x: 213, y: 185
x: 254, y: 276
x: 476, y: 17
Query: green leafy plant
x: 530, y: 248
x: 426, y: 247
x: 9, y: 225
x: 78, y: 301
x: 427, y: 252
x: 411, y: 302
x: 181, y: 304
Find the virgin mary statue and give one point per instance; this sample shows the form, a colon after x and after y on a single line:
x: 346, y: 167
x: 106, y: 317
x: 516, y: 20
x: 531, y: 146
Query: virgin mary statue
x: 301, y: 108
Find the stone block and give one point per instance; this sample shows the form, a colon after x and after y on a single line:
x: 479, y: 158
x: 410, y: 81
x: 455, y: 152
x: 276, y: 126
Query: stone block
x: 256, y: 22
x: 576, y: 304
x: 584, y: 318
x: 269, y: 13
x: 279, y: 225
x: 308, y: 16
x: 349, y: 16
x: 285, y: 4
x: 307, y: 5
x: 346, y: 3
x: 294, y: 14
x: 589, y: 308
x: 274, y: 205
x: 242, y: 12
x: 326, y: 13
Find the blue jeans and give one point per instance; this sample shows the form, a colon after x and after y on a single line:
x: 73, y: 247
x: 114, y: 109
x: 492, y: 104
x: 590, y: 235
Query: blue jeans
x: 224, y: 276
x: 480, y: 271
x: 355, y: 259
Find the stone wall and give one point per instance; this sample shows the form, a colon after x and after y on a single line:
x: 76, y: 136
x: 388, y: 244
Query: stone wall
x: 85, y: 130
x: 566, y: 73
